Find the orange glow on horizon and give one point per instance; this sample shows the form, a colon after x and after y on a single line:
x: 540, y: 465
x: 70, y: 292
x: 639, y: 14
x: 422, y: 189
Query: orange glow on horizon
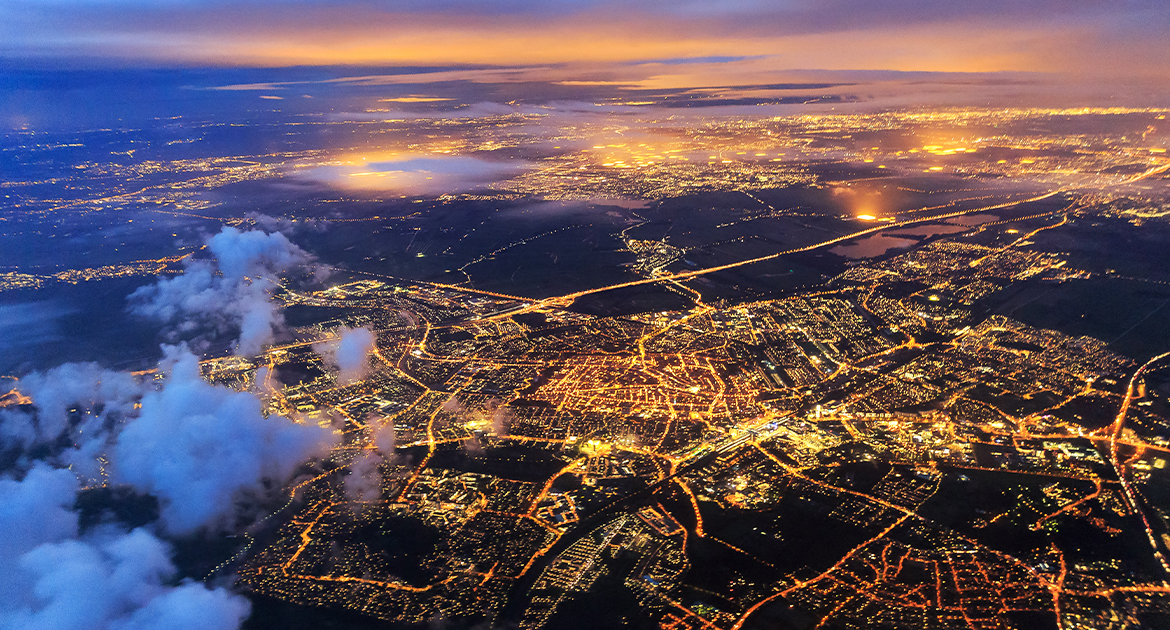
x: 585, y: 44
x: 585, y: 47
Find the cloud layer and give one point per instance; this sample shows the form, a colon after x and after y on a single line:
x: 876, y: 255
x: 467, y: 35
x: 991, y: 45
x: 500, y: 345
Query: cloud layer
x: 118, y: 583
x: 195, y: 446
x: 34, y: 511
x: 415, y: 175
x: 199, y: 448
x: 232, y: 295
x: 100, y: 400
x: 51, y: 579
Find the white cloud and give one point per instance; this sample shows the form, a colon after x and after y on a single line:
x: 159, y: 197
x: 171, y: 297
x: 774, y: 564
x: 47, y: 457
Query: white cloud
x: 102, y: 398
x: 348, y: 353
x: 115, y: 582
x: 195, y: 446
x: 33, y: 511
x: 233, y: 294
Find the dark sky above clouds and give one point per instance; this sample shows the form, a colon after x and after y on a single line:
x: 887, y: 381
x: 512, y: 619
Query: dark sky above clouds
x: 1084, y: 38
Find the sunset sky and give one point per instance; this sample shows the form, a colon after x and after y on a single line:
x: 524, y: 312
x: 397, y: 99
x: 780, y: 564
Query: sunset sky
x: 1094, y: 39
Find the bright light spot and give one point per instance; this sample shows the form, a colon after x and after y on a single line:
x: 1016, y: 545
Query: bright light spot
x: 933, y: 298
x: 866, y: 217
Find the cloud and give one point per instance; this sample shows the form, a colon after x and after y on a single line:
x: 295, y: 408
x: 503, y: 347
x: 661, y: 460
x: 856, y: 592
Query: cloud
x: 190, y: 607
x: 33, y: 511
x: 51, y: 579
x: 453, y: 406
x: 384, y: 439
x: 364, y: 482
x: 30, y: 322
x: 192, y: 444
x: 231, y: 295
x: 196, y: 446
x: 262, y: 382
x: 349, y: 353
x: 414, y: 174
x: 100, y: 398
x: 501, y: 420
x: 254, y: 252
x: 289, y: 226
x: 24, y: 327
x: 116, y: 582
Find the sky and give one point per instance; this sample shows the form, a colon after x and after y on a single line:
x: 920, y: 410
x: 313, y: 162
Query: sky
x: 1079, y: 40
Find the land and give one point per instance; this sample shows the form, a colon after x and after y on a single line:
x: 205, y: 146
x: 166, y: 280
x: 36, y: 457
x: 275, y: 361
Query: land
x: 843, y: 371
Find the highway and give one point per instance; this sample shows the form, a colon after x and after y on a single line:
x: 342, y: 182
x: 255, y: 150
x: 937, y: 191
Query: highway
x: 567, y: 299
